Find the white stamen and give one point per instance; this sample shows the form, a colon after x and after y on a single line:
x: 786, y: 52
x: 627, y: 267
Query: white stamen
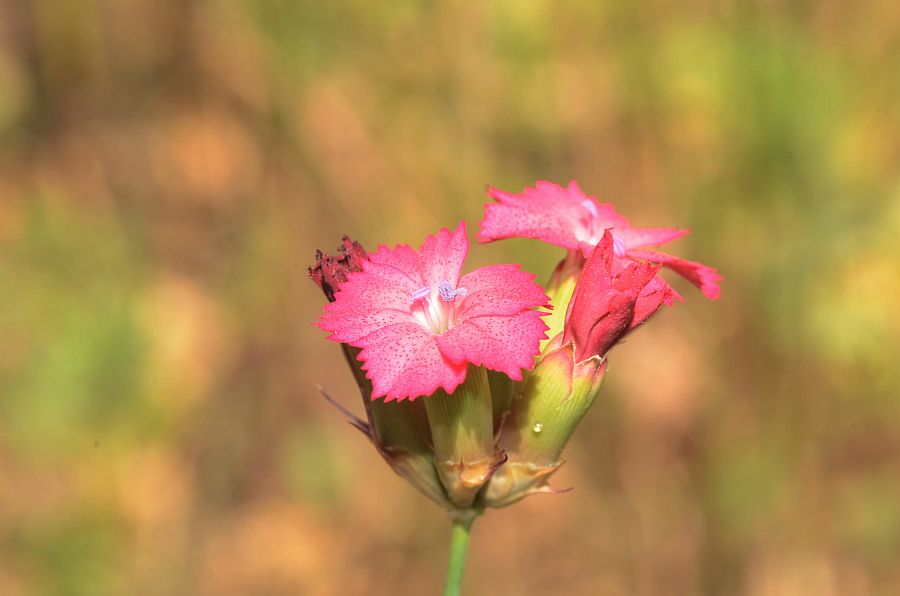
x: 436, y: 315
x: 590, y: 206
x: 420, y: 294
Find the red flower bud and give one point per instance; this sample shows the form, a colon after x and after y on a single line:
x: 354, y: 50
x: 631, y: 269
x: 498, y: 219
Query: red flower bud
x: 611, y: 299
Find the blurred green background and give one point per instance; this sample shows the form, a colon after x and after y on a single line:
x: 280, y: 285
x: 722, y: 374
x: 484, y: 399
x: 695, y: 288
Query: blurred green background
x: 167, y: 170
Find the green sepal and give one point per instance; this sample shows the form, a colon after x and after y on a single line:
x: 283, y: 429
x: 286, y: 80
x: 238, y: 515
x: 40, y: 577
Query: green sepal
x: 557, y: 395
x: 462, y: 434
x: 399, y: 431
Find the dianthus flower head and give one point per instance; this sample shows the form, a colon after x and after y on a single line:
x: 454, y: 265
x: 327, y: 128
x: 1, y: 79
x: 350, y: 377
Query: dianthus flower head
x: 566, y: 217
x: 419, y: 323
x: 611, y: 299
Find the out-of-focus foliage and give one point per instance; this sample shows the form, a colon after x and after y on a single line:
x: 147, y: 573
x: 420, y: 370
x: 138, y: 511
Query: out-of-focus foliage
x: 168, y: 168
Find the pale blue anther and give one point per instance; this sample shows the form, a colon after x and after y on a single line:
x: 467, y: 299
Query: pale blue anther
x: 590, y: 206
x: 448, y: 293
x: 444, y: 289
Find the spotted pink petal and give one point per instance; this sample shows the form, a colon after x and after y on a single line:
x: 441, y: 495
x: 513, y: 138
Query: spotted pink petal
x: 559, y: 215
x: 567, y: 217
x: 540, y: 219
x: 704, y: 277
x: 402, y: 258
x: 442, y: 256
x: 506, y: 344
x: 369, y: 300
x: 500, y: 290
x: 640, y: 237
x: 403, y: 360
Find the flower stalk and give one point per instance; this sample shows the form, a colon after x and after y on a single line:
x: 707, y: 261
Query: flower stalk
x: 459, y: 547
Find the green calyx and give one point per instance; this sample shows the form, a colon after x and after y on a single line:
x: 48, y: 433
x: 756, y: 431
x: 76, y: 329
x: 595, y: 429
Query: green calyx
x: 556, y: 396
x: 467, y: 451
x: 462, y: 435
x: 399, y: 431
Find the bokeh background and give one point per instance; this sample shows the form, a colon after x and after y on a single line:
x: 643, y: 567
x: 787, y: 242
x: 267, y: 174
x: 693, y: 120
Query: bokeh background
x: 168, y: 168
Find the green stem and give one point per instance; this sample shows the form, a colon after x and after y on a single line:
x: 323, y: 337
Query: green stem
x: 459, y: 545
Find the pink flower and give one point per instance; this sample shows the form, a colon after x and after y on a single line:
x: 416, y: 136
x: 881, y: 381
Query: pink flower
x: 569, y: 218
x: 420, y: 324
x: 611, y: 299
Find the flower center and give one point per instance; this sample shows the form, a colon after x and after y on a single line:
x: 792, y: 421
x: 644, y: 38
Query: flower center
x: 435, y: 308
x: 591, y: 229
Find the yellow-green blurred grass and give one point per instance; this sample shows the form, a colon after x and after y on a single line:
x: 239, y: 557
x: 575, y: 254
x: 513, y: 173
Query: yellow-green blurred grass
x: 168, y: 169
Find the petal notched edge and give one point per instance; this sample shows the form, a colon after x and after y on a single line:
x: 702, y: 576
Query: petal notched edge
x: 500, y: 290
x: 403, y: 361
